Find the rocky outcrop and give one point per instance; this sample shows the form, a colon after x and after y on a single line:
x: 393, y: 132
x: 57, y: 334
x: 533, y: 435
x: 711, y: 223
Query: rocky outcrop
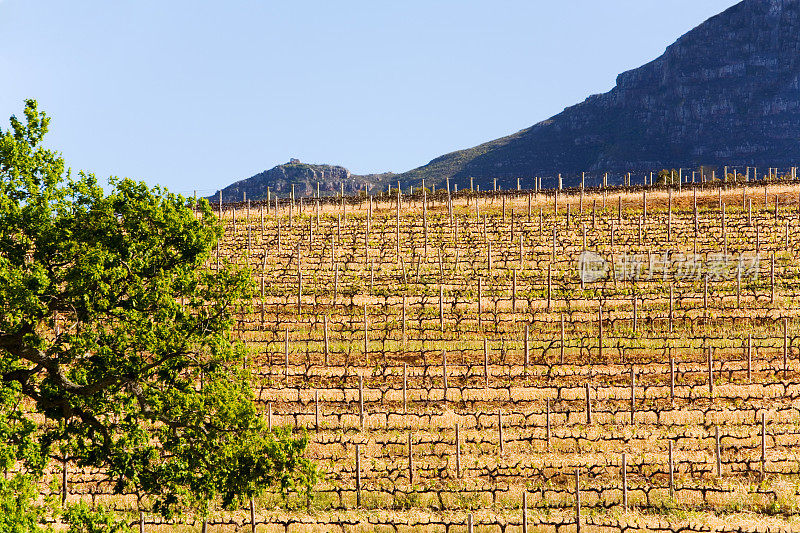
x: 280, y: 179
x: 304, y: 177
x: 726, y: 93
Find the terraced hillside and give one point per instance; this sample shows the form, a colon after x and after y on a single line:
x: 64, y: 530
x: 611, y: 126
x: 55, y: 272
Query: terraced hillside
x: 454, y: 369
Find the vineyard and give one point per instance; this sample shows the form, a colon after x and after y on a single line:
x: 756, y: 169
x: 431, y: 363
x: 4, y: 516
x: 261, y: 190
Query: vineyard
x: 604, y: 359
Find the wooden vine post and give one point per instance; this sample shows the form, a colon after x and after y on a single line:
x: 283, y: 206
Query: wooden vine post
x: 588, y: 404
x: 633, y: 394
x: 671, y: 473
x: 410, y: 460
x: 763, y: 446
x: 577, y: 500
x: 525, y: 512
x: 624, y: 471
x: 366, y: 335
x: 458, y: 451
x: 358, y: 475
x: 547, y: 424
x: 361, y: 401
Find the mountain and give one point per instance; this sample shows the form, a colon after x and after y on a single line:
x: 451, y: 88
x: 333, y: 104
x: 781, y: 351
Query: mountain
x: 303, y: 176
x: 725, y: 93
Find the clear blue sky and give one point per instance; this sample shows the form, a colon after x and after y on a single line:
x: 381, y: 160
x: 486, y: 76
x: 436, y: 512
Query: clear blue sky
x: 195, y: 95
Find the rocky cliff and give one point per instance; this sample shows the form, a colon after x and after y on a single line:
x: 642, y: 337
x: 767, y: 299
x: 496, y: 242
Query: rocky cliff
x: 726, y: 93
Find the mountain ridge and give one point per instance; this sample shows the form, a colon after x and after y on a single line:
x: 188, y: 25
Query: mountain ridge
x: 735, y: 72
x: 726, y: 92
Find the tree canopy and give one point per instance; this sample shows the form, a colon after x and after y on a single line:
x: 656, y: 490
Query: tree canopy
x: 116, y: 326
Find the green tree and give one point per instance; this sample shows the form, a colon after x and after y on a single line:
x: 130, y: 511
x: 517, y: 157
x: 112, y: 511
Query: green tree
x: 117, y: 327
x: 82, y: 519
x: 666, y: 177
x: 22, y: 462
